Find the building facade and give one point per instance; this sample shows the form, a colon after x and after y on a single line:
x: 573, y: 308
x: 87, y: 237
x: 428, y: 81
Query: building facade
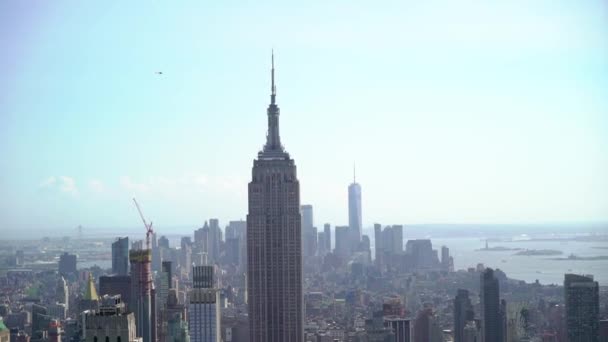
x: 354, y: 213
x: 274, y: 241
x: 582, y: 308
x: 491, y: 318
x: 120, y: 256
x: 141, y: 293
x: 463, y: 313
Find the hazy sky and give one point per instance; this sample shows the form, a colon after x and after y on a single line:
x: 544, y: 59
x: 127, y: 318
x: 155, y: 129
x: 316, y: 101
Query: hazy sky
x: 455, y: 111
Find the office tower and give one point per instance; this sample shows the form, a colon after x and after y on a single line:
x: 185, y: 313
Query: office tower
x: 342, y: 241
x: 120, y: 256
x: 603, y: 327
x: 463, y: 313
x: 185, y: 261
x: 163, y: 242
x: 67, y: 264
x: 421, y: 254
x: 365, y: 247
x: 274, y: 244
x: 214, y: 240
x: 308, y: 236
x: 231, y: 249
x: 204, y: 316
x: 238, y: 230
x: 354, y: 212
x: 141, y: 292
x: 397, y: 246
x: 163, y: 298
x: 116, y: 285
x: 165, y: 283
x: 582, y: 308
x: 378, y: 251
x: 175, y: 315
x: 307, y: 216
x: 154, y: 314
x: 491, y: 321
x: 207, y: 240
x: 200, y: 239
x: 445, y: 258
x: 202, y: 277
x: 422, y: 325
x: 401, y: 328
x: 321, y: 244
x: 185, y: 241
x: 156, y: 252
x: 110, y: 323
x: 40, y: 320
x: 327, y: 231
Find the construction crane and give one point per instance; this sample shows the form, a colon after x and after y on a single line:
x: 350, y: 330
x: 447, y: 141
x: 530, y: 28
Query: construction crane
x: 149, y: 230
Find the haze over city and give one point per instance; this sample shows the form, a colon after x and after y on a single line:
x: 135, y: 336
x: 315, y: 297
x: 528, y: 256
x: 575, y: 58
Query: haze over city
x: 399, y: 171
x: 453, y: 112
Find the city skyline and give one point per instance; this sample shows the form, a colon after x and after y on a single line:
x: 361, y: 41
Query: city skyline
x: 483, y: 137
x: 478, y: 130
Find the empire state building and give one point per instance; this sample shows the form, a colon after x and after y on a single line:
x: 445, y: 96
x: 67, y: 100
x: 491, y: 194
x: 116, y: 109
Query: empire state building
x: 274, y: 245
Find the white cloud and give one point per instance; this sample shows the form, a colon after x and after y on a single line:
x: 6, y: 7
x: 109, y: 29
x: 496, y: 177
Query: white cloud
x: 63, y: 184
x: 97, y: 186
x: 130, y: 185
x: 200, y: 180
x: 49, y: 182
x: 68, y: 185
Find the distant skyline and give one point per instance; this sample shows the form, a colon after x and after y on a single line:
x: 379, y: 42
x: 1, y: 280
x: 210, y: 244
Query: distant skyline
x: 454, y: 112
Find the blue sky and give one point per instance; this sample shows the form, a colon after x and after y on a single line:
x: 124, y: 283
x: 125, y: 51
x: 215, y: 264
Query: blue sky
x: 454, y: 111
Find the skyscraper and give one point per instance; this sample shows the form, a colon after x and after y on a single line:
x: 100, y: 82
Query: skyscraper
x: 67, y: 264
x: 342, y: 241
x: 204, y: 316
x: 491, y: 320
x: 354, y: 212
x: 327, y: 231
x: 116, y: 285
x: 309, y: 236
x: 378, y: 245
x: 463, y: 313
x: 111, y: 322
x: 274, y: 245
x: 401, y: 328
x: 202, y: 277
x: 141, y: 292
x: 120, y: 256
x: 582, y: 308
x: 214, y: 240
x: 165, y: 283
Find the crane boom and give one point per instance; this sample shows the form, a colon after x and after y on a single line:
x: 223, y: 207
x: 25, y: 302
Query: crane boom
x: 149, y: 230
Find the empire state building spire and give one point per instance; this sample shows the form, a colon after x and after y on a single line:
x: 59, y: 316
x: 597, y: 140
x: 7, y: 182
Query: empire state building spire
x: 273, y: 139
x: 273, y: 88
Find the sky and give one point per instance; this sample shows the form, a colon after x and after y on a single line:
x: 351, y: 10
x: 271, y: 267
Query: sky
x: 453, y: 111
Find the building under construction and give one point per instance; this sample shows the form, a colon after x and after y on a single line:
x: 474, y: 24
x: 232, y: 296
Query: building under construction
x: 142, y: 303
